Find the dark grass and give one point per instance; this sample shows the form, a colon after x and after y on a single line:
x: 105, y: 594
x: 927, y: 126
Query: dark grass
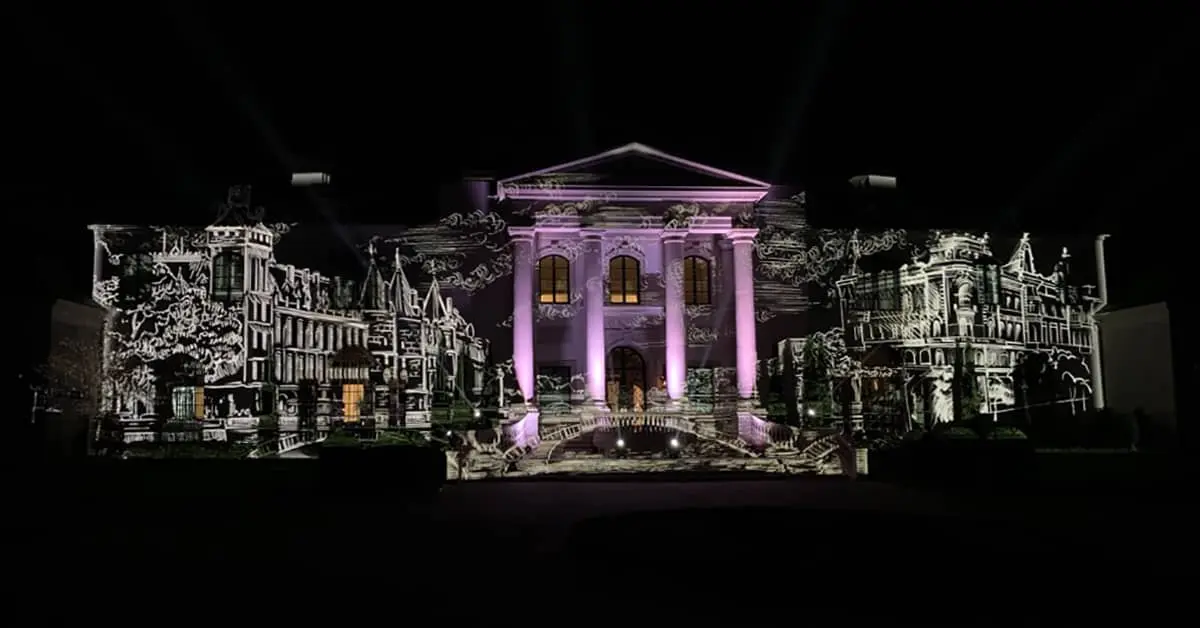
x: 979, y: 468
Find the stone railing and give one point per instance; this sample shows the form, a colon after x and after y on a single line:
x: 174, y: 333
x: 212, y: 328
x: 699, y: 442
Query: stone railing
x: 284, y: 444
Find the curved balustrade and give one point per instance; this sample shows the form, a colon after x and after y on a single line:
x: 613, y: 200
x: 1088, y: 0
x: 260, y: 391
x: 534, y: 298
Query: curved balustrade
x: 285, y: 444
x: 765, y: 433
x: 819, y: 451
x: 622, y: 421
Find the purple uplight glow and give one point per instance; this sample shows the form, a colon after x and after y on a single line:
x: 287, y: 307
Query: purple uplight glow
x: 676, y: 334
x: 593, y: 268
x: 747, y: 352
x: 523, y: 365
x: 524, y: 432
x: 643, y: 294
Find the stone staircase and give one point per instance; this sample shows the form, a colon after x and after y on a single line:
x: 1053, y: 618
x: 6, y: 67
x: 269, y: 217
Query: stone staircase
x: 286, y: 443
x: 580, y: 445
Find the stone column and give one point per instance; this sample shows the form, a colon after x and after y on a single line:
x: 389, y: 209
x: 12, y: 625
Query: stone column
x: 743, y: 284
x: 523, y: 268
x: 593, y: 272
x: 676, y: 331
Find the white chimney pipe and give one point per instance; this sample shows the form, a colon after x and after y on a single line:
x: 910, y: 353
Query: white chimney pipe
x: 1097, y: 365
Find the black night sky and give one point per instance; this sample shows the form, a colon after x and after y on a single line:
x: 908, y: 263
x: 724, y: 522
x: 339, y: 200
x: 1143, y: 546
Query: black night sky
x: 995, y: 117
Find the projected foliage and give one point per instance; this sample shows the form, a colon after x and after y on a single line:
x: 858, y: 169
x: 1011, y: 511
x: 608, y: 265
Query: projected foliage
x: 549, y: 300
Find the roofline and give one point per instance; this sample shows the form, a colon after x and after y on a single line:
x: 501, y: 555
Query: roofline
x: 610, y: 194
x: 642, y: 149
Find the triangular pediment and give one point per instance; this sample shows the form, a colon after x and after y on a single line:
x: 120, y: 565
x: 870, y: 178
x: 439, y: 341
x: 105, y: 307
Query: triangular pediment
x: 630, y: 167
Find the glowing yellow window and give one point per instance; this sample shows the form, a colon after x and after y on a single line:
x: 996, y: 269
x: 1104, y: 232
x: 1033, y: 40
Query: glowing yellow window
x: 199, y: 402
x: 624, y: 280
x: 352, y: 396
x: 187, y: 402
x: 554, y: 272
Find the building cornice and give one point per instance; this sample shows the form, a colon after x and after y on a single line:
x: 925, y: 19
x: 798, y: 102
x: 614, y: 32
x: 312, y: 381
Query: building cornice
x: 632, y: 195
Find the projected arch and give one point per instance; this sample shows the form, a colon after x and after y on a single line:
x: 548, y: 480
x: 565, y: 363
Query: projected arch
x: 626, y: 378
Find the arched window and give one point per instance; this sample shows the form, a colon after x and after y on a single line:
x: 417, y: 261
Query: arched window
x: 696, y: 286
x: 624, y: 280
x: 554, y: 278
x: 227, y: 275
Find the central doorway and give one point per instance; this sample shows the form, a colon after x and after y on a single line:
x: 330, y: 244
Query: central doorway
x: 626, y: 379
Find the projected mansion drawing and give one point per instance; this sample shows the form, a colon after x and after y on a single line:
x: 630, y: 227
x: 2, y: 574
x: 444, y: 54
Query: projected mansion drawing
x: 632, y: 281
x: 205, y: 324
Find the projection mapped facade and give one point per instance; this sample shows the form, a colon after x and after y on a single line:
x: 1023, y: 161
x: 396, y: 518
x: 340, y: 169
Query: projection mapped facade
x: 206, y: 324
x: 631, y: 282
x: 952, y: 307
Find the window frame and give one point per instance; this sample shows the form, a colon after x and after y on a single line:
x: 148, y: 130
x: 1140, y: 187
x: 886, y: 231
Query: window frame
x: 624, y: 263
x: 226, y: 281
x: 353, y: 395
x: 187, y: 397
x: 559, y: 265
x: 691, y: 287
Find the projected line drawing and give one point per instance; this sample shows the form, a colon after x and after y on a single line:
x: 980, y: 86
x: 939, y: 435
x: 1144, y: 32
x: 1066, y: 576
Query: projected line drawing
x: 206, y: 324
x: 632, y: 282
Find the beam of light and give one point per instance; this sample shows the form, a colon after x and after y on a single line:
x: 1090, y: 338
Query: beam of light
x: 573, y: 79
x: 1101, y: 127
x: 190, y: 25
x: 812, y: 68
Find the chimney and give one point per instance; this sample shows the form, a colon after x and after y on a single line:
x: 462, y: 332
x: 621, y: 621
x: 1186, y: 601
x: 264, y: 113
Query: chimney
x: 479, y: 189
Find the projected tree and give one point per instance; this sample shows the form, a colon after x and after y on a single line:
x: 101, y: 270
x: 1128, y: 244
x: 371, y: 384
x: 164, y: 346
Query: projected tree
x: 161, y: 310
x: 1052, y: 376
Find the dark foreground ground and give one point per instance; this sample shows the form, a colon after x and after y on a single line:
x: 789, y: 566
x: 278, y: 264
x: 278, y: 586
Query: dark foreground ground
x: 262, y: 525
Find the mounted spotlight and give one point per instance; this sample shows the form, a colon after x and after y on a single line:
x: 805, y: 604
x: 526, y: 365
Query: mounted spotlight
x: 875, y: 181
x: 305, y: 179
x: 673, y: 451
x: 477, y: 413
x: 674, y: 443
x: 620, y: 443
x: 811, y: 412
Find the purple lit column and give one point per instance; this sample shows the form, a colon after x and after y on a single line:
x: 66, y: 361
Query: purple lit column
x: 676, y: 331
x: 593, y: 272
x: 743, y: 285
x: 523, y: 310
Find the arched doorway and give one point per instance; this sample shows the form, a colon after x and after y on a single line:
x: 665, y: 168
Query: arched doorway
x: 626, y: 379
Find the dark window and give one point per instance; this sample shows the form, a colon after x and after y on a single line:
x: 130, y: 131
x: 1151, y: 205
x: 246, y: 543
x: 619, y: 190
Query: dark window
x: 624, y: 280
x: 554, y: 277
x: 696, y: 281
x: 554, y: 383
x: 227, y: 276
x: 626, y: 377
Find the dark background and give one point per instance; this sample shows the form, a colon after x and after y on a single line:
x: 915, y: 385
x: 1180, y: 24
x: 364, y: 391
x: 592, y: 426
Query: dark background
x: 995, y: 115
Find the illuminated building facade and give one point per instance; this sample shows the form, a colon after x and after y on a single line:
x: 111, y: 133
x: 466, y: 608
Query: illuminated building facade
x: 617, y: 277
x: 206, y: 324
x: 956, y: 304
